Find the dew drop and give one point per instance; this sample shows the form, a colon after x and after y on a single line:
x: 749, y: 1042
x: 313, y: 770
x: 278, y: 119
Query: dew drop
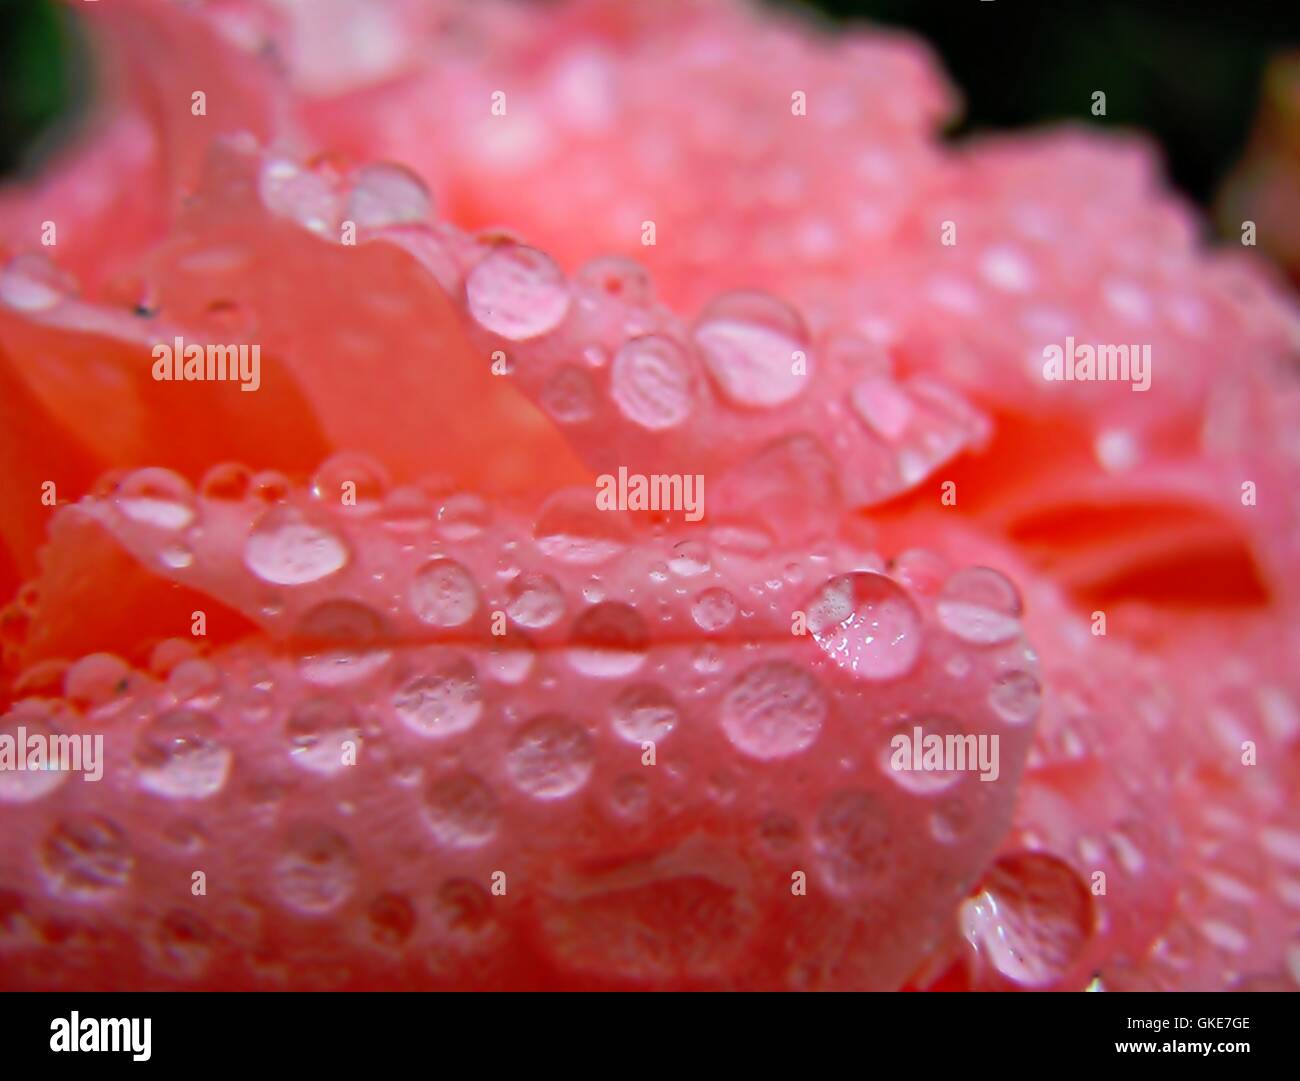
x: 651, y: 382
x: 750, y: 343
x: 773, y: 710
x: 443, y: 700
x: 535, y: 601
x: 156, y: 497
x: 86, y: 858
x: 851, y: 840
x: 286, y: 550
x: 867, y: 625
x: 178, y: 755
x: 387, y: 194
x: 518, y: 293
x: 443, y: 594
x: 571, y: 529
x: 644, y: 712
x: 1015, y: 697
x: 550, y: 758
x: 714, y: 609
x: 318, y: 729
x: 980, y: 606
x: 461, y: 811
x: 316, y: 870
x: 31, y: 283
x: 608, y: 641
x: 340, y: 642
x: 27, y: 785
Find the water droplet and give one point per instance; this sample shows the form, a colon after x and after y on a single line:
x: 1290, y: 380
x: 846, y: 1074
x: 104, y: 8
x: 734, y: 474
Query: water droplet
x: 461, y: 811
x: 980, y: 606
x: 227, y: 482
x: 867, y: 625
x: 300, y: 195
x: 350, y: 482
x: 652, y: 382
x: 713, y: 609
x: 644, y: 712
x: 750, y: 343
x: 852, y: 843
x: 462, y: 516
x: 569, y: 395
x: 179, y: 757
x: 1031, y: 918
x: 86, y: 858
x: 608, y: 641
x: 773, y: 710
x: 443, y: 594
x: 318, y: 729
x: 392, y: 919
x: 156, y: 497
x: 571, y: 529
x: 386, y: 194
x: 176, y: 556
x: 96, y: 680
x: 535, y: 601
x: 1015, y: 697
x: 551, y: 757
x: 27, y: 785
x: 690, y: 559
x: 31, y: 283
x: 316, y: 870
x: 286, y: 550
x: 517, y: 293
x: 443, y: 700
x: 340, y: 643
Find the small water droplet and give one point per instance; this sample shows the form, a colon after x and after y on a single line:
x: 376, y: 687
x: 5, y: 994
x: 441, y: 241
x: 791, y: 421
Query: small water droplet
x: 156, y: 497
x: 31, y: 283
x: 535, y: 601
x: 644, y: 712
x: 980, y: 606
x: 714, y: 609
x: 285, y: 549
x: 750, y: 343
x: 652, y: 383
x: 444, y: 699
x: 461, y: 811
x: 316, y: 870
x: 178, y: 755
x: 773, y: 710
x: 1015, y: 697
x: 385, y: 194
x: 867, y: 625
x: 318, y: 729
x: 443, y: 594
x: 86, y: 858
x: 608, y: 641
x: 551, y: 757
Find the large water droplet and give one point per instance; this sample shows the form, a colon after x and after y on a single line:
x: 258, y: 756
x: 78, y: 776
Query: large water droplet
x: 442, y: 700
x: 651, y: 382
x: 1031, y: 918
x: 980, y: 606
x: 551, y: 757
x: 608, y: 641
x: 286, y: 550
x: 443, y: 594
x: 462, y: 811
x: 340, y: 642
x: 867, y: 625
x: 852, y: 842
x: 773, y: 710
x: 752, y: 344
x: 316, y: 870
x: 178, y: 755
x: 86, y: 858
x: 518, y: 293
x: 571, y: 529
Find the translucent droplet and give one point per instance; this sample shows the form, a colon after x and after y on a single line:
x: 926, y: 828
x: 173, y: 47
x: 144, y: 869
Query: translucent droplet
x: 443, y: 700
x: 1015, y: 697
x: 227, y: 482
x: 571, y: 529
x: 852, y: 842
x: 443, y: 594
x: 755, y: 348
x: 551, y: 757
x: 644, y: 712
x: 300, y: 195
x: 31, y: 283
x: 620, y: 278
x: 316, y: 870
x: 517, y: 293
x: 320, y: 730
x: 652, y: 383
x: 86, y: 858
x: 867, y: 625
x: 340, y: 643
x: 569, y: 395
x: 178, y: 755
x: 608, y: 641
x: 690, y: 559
x: 535, y: 601
x: 773, y: 710
x: 156, y: 497
x: 386, y: 194
x: 713, y: 609
x: 462, y: 516
x: 980, y: 606
x: 1031, y: 918
x: 286, y: 550
x: 350, y: 482
x: 25, y: 728
x: 462, y: 811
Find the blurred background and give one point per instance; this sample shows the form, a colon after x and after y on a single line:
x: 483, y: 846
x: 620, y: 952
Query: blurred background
x: 1217, y: 85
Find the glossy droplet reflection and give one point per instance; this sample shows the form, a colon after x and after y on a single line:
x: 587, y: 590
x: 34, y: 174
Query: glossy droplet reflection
x: 867, y: 625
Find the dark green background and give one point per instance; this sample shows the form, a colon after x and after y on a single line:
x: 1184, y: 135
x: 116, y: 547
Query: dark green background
x: 1187, y: 73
